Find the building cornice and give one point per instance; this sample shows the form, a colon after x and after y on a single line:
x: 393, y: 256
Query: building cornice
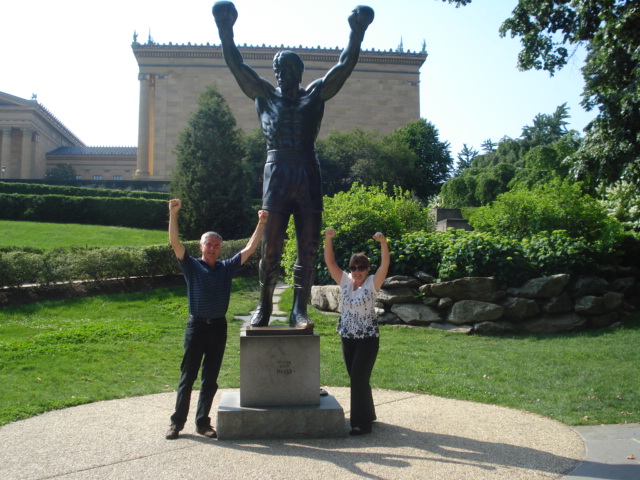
x: 249, y: 52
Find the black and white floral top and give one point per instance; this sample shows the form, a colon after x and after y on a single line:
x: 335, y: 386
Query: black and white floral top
x: 358, y: 318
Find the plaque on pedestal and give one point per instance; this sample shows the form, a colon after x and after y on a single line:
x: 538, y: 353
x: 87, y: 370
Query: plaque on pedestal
x: 278, y: 330
x: 279, y: 370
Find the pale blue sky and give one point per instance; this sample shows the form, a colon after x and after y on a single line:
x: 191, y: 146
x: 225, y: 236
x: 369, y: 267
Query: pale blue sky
x: 76, y: 56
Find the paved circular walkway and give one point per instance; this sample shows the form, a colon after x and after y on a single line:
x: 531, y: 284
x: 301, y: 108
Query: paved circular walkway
x: 416, y: 437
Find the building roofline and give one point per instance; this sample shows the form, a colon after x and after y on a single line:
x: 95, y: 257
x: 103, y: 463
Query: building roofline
x: 153, y: 49
x: 44, y: 111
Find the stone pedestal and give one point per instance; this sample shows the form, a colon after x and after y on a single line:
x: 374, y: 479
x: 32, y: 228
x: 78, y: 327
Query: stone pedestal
x: 278, y: 370
x: 279, y: 389
x: 234, y: 422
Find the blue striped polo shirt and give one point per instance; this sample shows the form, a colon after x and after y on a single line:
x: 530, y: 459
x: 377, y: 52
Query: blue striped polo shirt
x: 209, y: 288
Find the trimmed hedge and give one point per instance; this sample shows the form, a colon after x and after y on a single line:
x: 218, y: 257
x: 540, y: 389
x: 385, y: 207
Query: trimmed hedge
x: 41, y: 189
x: 446, y: 256
x: 32, y: 266
x: 460, y: 253
x: 119, y: 212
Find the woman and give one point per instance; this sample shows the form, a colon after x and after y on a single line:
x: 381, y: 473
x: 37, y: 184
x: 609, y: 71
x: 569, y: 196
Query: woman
x: 358, y: 325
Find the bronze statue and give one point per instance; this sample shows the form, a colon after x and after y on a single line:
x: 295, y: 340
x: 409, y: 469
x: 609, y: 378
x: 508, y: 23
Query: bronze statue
x: 290, y: 118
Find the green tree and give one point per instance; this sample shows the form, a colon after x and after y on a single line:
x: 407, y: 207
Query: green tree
x: 254, y: 161
x: 61, y: 172
x: 488, y: 146
x: 391, y: 164
x: 433, y: 162
x: 338, y: 152
x: 460, y: 191
x: 544, y: 151
x: 611, y: 34
x: 546, y: 129
x: 465, y: 159
x: 209, y: 176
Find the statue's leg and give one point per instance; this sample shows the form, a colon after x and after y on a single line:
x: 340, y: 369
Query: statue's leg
x: 308, y: 239
x: 272, y: 244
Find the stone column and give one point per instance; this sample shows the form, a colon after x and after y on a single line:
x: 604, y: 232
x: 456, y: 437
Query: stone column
x: 26, y: 169
x: 145, y: 134
x: 5, y: 160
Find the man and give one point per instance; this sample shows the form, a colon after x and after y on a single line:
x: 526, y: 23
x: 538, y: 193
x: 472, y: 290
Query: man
x: 290, y: 118
x: 208, y: 291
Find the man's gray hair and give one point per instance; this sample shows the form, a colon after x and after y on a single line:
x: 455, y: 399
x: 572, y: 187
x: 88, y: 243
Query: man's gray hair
x: 206, y: 235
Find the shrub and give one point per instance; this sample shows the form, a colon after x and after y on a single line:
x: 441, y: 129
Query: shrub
x: 622, y: 201
x: 65, y: 264
x: 459, y: 253
x: 417, y: 251
x: 550, y: 207
x: 356, y: 215
x: 477, y: 254
x: 121, y: 212
x: 41, y: 189
x: 556, y: 252
x: 19, y: 267
x: 630, y: 249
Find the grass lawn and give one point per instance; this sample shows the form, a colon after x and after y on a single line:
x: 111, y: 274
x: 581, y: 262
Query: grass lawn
x: 62, y: 353
x: 52, y: 235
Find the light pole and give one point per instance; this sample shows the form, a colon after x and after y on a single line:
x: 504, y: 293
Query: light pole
x: 4, y: 169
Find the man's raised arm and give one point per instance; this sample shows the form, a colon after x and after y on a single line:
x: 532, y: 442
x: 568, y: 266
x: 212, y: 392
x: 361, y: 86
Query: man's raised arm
x: 174, y: 237
x: 254, y: 241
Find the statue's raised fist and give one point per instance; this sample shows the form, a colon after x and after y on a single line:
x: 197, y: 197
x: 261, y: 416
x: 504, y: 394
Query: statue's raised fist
x: 225, y: 12
x: 364, y: 15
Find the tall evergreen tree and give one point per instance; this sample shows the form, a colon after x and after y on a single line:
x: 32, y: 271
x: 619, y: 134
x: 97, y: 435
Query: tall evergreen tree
x: 209, y: 176
x: 433, y: 161
x: 465, y: 159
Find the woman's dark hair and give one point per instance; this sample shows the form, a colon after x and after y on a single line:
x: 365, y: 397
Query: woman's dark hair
x: 359, y: 259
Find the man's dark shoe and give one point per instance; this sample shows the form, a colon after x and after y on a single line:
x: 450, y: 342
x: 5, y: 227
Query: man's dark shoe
x: 173, y: 432
x: 207, y: 431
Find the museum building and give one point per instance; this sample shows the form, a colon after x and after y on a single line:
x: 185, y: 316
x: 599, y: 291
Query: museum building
x: 382, y: 94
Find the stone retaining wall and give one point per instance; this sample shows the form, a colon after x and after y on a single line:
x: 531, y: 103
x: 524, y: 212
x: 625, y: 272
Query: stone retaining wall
x: 554, y: 304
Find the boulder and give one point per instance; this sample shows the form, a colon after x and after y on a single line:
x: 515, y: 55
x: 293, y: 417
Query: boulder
x: 494, y: 328
x: 415, y: 314
x: 449, y: 327
x: 612, y: 300
x: 588, y: 285
x: 604, y: 320
x: 445, y: 303
x: 326, y: 297
x: 388, y: 318
x: 589, y: 305
x: 544, y: 287
x: 517, y: 309
x: 484, y: 289
x: 547, y: 324
x: 396, y: 295
x: 623, y: 285
x: 474, y: 311
x: 424, y: 277
x: 559, y: 304
x: 401, y: 281
x: 430, y: 301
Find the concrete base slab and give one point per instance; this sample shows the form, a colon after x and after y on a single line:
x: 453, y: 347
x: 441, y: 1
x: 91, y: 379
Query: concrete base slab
x: 234, y: 422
